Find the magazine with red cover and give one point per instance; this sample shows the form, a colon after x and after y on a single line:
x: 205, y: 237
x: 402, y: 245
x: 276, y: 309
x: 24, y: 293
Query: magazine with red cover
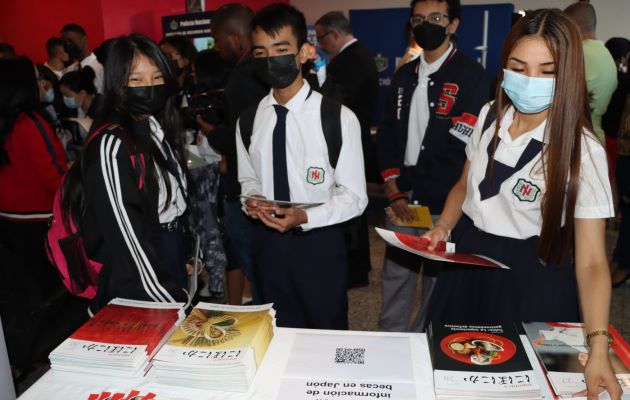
x: 119, y: 340
x: 443, y: 252
x: 130, y: 325
x: 562, y: 351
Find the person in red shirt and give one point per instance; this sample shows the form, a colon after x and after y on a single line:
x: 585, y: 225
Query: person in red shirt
x: 32, y: 164
x: 32, y: 160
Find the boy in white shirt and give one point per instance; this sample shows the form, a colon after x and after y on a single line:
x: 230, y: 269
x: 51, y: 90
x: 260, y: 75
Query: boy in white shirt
x: 299, y: 254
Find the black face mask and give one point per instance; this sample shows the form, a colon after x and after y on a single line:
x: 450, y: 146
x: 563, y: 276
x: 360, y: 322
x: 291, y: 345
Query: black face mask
x: 175, y: 69
x: 278, y: 71
x: 142, y: 100
x: 73, y: 50
x: 429, y: 36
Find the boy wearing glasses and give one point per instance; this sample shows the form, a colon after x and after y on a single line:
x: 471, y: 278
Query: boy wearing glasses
x: 429, y: 117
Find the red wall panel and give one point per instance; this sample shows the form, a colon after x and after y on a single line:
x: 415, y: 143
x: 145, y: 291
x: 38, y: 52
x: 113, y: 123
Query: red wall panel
x: 121, y: 17
x: 28, y: 24
x: 253, y: 4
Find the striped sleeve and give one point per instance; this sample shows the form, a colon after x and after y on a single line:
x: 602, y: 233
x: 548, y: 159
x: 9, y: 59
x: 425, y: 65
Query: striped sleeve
x: 122, y: 202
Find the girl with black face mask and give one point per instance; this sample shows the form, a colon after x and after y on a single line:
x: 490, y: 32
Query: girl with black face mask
x: 128, y: 189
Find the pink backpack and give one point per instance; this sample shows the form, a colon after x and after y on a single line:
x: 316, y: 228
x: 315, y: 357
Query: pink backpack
x: 64, y: 242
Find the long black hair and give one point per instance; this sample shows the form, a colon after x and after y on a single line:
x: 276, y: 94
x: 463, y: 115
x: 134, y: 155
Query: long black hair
x: 19, y: 93
x: 120, y: 60
x: 82, y: 79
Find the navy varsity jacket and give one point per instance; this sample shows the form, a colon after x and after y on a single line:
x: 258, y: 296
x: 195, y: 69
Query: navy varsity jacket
x: 456, y: 93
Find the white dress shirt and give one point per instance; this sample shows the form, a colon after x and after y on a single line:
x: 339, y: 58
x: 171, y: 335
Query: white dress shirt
x: 91, y: 61
x: 341, y: 190
x: 177, y: 207
x: 58, y: 73
x: 347, y: 44
x: 515, y: 211
x: 419, y: 109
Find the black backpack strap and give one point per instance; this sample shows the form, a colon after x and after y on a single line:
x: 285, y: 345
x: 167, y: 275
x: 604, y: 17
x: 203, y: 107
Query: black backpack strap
x: 491, y: 116
x: 246, y: 125
x: 49, y: 145
x: 331, y: 125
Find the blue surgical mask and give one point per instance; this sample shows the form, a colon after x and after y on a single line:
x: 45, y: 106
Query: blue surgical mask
x: 49, y: 96
x: 70, y: 102
x: 530, y: 95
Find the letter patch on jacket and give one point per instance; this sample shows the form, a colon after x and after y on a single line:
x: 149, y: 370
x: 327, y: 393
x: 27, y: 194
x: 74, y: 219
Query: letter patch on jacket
x: 447, y: 98
x: 463, y: 126
x: 399, y: 102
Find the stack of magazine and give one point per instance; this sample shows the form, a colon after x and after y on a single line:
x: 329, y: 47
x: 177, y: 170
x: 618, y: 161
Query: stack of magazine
x: 217, y: 347
x: 480, y: 362
x: 119, y: 340
x: 562, y: 350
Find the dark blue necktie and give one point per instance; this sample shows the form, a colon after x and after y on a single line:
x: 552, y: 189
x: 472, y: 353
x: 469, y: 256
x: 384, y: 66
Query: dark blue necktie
x: 491, y: 183
x: 280, y: 177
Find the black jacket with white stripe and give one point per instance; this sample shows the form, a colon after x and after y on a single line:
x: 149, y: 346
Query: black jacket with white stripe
x: 121, y: 225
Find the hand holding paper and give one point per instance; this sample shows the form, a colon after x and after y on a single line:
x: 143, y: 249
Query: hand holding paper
x: 417, y: 216
x: 444, y: 251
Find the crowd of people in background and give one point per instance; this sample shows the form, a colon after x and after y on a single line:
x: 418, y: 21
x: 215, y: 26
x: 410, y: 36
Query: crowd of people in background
x: 153, y: 144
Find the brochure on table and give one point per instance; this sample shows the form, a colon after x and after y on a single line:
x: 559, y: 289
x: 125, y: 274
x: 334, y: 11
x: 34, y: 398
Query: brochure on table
x: 266, y: 385
x: 480, y: 361
x: 562, y: 351
x: 348, y: 367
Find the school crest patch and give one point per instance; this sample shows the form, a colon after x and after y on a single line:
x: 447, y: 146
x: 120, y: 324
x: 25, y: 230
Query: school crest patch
x: 525, y: 190
x: 381, y: 62
x: 315, y: 175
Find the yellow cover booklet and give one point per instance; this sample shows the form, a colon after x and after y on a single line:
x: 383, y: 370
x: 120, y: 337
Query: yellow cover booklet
x: 224, y: 330
x: 421, y: 217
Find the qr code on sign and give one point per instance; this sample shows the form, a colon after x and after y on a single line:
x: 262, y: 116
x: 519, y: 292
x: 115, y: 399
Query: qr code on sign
x: 349, y: 356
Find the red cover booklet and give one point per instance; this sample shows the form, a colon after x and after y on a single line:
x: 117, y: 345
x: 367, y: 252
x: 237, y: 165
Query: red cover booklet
x: 129, y: 325
x: 443, y: 252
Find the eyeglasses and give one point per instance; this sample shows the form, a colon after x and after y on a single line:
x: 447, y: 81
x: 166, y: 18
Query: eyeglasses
x: 433, y: 18
x: 320, y: 38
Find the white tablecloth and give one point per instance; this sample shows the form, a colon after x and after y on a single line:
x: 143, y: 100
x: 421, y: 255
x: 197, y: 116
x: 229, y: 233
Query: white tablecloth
x: 53, y: 385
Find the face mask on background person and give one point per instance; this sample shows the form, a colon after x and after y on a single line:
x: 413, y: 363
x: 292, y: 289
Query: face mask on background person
x: 530, y: 95
x: 278, y: 71
x: 175, y: 68
x: 49, y: 96
x: 70, y: 102
x: 73, y: 50
x: 429, y: 36
x: 143, y: 100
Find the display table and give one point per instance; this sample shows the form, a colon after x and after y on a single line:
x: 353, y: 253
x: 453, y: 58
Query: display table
x: 54, y: 385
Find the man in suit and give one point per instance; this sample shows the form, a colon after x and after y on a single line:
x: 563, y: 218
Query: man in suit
x: 352, y: 79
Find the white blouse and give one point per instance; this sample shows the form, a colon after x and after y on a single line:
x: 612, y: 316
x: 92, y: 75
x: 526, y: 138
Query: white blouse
x: 506, y: 201
x: 177, y: 207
